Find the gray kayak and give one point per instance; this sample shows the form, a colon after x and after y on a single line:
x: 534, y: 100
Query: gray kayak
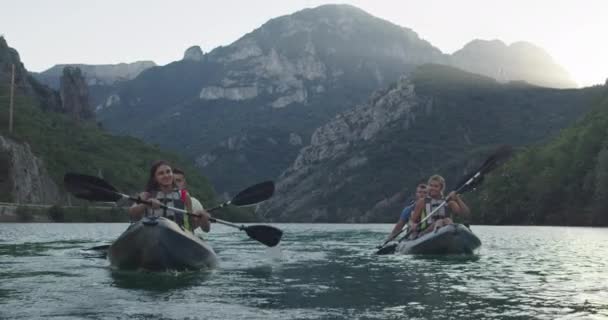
x: 451, y: 239
x: 159, y: 244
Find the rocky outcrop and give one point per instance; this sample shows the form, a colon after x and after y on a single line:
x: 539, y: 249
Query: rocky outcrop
x: 25, y: 85
x: 299, y: 186
x: 23, y: 175
x: 75, y: 94
x: 95, y: 75
x: 363, y: 164
x: 296, y: 57
x: 518, y: 61
x: 193, y: 53
x: 9, y: 57
x: 292, y: 74
x: 236, y: 94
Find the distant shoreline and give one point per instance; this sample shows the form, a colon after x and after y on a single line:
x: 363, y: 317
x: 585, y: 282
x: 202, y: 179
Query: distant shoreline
x: 23, y: 213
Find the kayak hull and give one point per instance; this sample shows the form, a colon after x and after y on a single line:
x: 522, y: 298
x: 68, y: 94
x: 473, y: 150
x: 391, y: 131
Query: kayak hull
x: 159, y: 244
x: 450, y: 239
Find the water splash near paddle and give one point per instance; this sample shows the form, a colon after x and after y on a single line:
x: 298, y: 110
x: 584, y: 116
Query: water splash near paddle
x: 275, y: 254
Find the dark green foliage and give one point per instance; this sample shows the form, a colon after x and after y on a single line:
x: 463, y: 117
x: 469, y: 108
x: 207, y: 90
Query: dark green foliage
x: 56, y: 213
x: 460, y: 120
x: 87, y: 213
x: 236, y: 214
x: 24, y: 214
x: 68, y: 146
x: 564, y: 182
x: 95, y: 214
x: 5, y: 183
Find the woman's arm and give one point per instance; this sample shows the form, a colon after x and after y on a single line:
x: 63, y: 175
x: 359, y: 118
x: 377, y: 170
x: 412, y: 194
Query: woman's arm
x: 398, y: 227
x: 137, y: 210
x: 417, y: 213
x: 457, y: 205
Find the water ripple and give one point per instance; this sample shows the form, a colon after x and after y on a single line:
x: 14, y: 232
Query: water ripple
x: 318, y: 272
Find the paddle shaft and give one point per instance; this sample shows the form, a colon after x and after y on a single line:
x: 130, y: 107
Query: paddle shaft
x: 142, y: 201
x: 220, y: 221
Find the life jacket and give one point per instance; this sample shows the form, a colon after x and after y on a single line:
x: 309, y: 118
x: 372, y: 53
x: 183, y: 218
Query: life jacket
x: 429, y: 205
x: 176, y: 199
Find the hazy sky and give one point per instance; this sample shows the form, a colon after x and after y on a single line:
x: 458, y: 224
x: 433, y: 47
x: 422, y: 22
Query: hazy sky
x: 111, y: 31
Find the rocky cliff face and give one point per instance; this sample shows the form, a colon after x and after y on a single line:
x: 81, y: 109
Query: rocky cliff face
x: 292, y: 59
x: 25, y: 85
x: 75, y: 94
x: 363, y: 164
x: 194, y: 53
x: 9, y: 57
x: 23, y: 176
x: 308, y: 181
x: 283, y: 80
x: 95, y: 75
x: 270, y: 89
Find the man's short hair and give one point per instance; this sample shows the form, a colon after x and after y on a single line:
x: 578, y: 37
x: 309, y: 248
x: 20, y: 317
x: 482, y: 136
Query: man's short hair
x: 421, y: 182
x: 178, y: 171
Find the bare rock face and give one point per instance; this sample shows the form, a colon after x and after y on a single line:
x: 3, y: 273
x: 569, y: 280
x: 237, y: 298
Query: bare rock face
x: 298, y: 187
x: 193, y: 53
x: 25, y: 85
x: 95, y: 75
x: 292, y: 59
x: 75, y: 94
x: 9, y: 57
x: 23, y: 176
x: 292, y: 74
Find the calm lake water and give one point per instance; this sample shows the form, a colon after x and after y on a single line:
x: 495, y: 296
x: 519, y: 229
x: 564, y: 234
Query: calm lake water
x: 320, y: 271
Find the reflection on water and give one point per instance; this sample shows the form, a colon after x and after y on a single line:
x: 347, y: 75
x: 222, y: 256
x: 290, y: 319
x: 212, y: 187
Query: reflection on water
x: 318, y: 272
x: 158, y: 281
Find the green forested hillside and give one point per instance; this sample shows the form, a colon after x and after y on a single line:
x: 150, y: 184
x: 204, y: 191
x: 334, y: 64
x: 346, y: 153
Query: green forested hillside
x: 449, y: 122
x: 66, y: 145
x: 564, y: 182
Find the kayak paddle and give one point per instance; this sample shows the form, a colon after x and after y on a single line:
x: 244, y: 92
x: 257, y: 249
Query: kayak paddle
x: 467, y: 183
x: 96, y: 189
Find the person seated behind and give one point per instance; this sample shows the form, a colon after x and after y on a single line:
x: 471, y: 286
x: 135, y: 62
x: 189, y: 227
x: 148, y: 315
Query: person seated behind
x: 432, y: 201
x: 180, y: 180
x: 162, y: 190
x: 407, y: 211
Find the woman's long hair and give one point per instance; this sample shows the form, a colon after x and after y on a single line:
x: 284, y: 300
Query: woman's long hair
x: 152, y: 185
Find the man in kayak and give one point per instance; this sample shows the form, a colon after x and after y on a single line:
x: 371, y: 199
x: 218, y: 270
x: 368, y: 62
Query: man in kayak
x: 180, y: 180
x: 434, y: 201
x: 161, y: 189
x: 421, y: 190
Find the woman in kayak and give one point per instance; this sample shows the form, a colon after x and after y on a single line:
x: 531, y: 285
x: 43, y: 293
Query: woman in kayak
x: 433, y: 201
x: 421, y: 191
x: 161, y: 189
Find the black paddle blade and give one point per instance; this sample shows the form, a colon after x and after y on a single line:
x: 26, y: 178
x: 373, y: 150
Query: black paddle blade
x: 497, y: 158
x: 254, y: 194
x: 390, y: 249
x: 493, y: 161
x: 267, y: 235
x: 90, y: 188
